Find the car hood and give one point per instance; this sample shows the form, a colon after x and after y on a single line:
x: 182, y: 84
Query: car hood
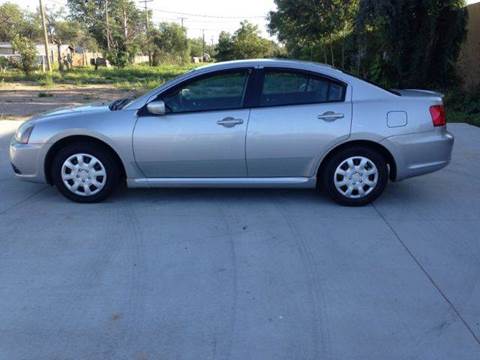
x: 73, y: 110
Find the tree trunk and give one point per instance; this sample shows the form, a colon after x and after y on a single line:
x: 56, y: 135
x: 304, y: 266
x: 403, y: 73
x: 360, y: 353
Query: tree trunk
x: 359, y: 57
x: 59, y: 56
x: 125, y: 25
x: 331, y: 53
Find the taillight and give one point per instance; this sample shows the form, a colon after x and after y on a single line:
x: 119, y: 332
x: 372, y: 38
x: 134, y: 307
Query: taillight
x: 438, y: 115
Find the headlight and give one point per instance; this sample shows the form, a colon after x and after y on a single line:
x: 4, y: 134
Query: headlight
x: 23, y: 133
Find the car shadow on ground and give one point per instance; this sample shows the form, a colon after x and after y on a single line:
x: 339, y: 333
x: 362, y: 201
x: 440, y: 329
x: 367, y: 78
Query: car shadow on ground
x: 231, y: 195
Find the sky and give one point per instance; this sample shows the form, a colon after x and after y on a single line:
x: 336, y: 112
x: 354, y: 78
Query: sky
x: 229, y: 13
x: 211, y: 15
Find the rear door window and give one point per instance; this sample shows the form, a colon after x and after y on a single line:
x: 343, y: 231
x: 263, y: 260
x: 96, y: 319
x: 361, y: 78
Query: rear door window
x: 287, y: 87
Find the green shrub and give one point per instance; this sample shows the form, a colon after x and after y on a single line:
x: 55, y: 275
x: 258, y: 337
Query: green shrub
x: 28, y: 53
x: 47, y: 81
x: 463, y: 106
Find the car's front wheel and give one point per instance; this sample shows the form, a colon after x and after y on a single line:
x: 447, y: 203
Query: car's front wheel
x: 85, y: 172
x: 355, y: 176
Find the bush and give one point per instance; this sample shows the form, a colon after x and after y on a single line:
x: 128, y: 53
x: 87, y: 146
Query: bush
x: 28, y: 53
x: 463, y: 106
x: 3, y: 64
x: 47, y: 81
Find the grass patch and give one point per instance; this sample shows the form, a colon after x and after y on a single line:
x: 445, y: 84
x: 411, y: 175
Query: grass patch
x: 47, y: 81
x: 128, y: 78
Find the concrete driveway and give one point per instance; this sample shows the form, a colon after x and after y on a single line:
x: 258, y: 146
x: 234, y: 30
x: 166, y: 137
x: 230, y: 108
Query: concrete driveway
x: 244, y: 274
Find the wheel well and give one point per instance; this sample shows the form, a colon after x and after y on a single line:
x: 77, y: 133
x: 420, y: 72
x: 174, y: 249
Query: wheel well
x: 366, y: 143
x: 74, y: 139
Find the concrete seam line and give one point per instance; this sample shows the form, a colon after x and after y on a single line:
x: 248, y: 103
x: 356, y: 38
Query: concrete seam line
x: 23, y: 201
x: 429, y: 277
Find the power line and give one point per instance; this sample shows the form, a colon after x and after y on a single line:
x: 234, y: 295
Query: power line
x: 209, y: 16
x: 200, y: 23
x: 58, y: 2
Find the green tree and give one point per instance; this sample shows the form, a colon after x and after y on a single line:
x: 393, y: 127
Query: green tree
x: 224, y: 48
x: 170, y: 44
x: 62, y: 31
x: 28, y: 53
x: 246, y: 43
x: 196, y: 47
x: 314, y: 30
x: 399, y: 43
x: 416, y: 43
x: 120, y: 37
x: 15, y: 21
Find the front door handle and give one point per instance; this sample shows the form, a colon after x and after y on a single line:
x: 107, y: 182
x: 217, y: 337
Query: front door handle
x: 330, y: 116
x: 230, y: 122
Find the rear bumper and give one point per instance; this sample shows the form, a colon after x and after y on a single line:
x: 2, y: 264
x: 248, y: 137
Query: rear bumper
x: 26, y: 161
x: 420, y: 153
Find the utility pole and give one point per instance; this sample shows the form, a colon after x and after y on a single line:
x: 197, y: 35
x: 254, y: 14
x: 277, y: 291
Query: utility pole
x: 145, y: 4
x: 147, y: 29
x: 182, y: 19
x: 203, y: 45
x: 107, y: 25
x: 45, y: 36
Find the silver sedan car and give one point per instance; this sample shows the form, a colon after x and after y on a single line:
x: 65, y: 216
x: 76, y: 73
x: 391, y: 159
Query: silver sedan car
x: 253, y: 123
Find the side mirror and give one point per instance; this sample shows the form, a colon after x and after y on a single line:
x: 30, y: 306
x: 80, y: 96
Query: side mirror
x: 157, y: 107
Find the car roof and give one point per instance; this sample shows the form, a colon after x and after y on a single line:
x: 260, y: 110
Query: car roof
x: 259, y: 63
x: 279, y: 63
x: 265, y: 63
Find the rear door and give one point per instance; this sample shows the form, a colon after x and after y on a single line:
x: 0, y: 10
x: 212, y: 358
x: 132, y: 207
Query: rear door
x: 297, y: 117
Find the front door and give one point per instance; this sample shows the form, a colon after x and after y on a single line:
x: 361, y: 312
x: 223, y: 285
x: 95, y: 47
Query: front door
x: 202, y: 135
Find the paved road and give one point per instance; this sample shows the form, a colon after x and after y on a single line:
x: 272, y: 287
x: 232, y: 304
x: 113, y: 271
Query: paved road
x: 244, y: 274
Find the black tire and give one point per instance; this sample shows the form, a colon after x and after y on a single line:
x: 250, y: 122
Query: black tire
x: 102, y: 154
x: 327, y: 177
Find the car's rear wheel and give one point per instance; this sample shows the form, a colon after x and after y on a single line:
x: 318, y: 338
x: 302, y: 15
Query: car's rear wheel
x: 85, y: 172
x: 355, y: 176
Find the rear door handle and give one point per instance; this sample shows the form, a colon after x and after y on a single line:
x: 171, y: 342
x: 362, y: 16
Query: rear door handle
x: 330, y: 116
x: 230, y: 122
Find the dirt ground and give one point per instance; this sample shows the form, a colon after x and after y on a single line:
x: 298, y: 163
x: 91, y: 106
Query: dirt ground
x: 20, y: 101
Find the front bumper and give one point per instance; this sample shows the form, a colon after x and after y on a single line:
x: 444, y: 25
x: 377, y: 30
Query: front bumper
x: 26, y: 160
x: 420, y: 153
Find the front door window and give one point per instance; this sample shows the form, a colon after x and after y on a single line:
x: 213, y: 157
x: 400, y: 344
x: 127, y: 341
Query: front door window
x: 222, y: 91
